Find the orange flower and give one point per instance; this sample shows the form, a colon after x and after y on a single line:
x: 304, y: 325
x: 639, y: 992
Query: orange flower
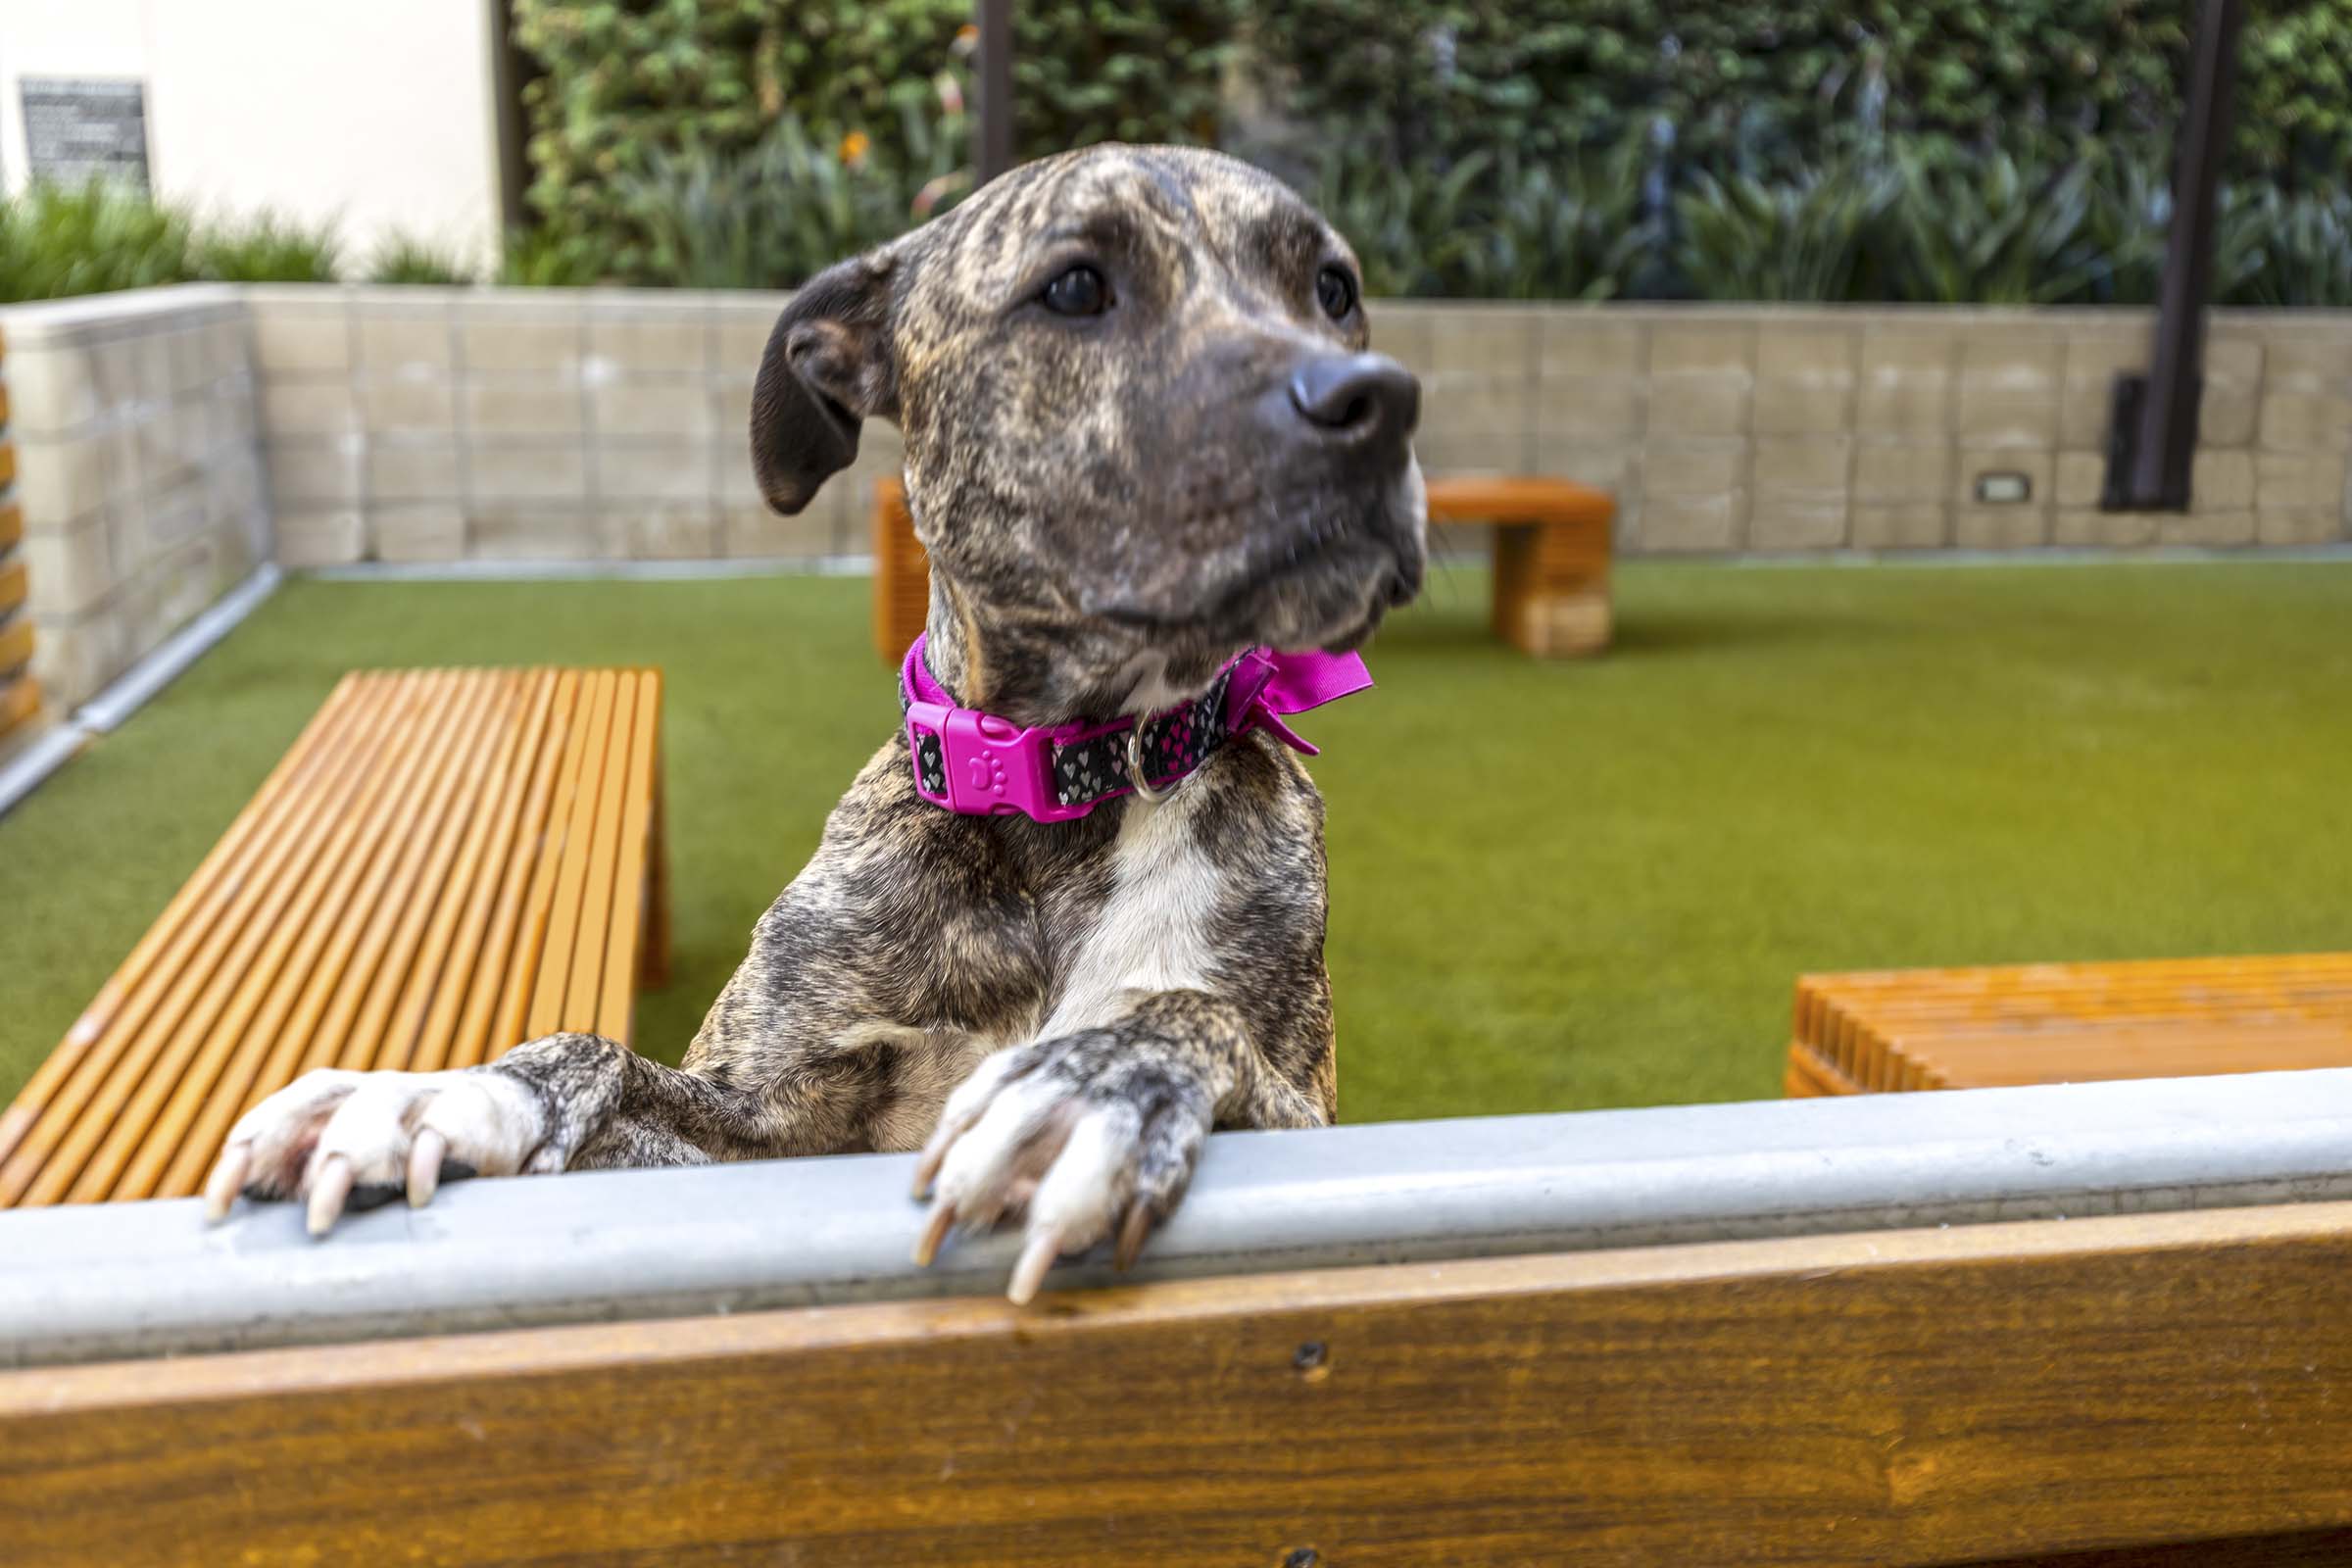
x: 854, y: 148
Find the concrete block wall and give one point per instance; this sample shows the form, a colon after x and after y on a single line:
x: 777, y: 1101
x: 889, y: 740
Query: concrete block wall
x: 423, y: 424
x: 140, y: 472
x: 409, y: 424
x: 1738, y: 429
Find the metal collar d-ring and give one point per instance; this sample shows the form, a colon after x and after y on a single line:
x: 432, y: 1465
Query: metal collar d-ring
x: 1135, y: 770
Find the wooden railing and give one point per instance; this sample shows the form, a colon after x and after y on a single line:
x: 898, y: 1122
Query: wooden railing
x: 1849, y: 1331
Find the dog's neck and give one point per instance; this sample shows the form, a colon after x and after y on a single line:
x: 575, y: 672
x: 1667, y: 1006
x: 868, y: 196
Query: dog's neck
x: 1038, y: 670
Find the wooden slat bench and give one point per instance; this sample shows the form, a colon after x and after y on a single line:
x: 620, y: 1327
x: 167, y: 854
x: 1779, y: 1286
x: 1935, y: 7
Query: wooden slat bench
x: 1903, y: 1029
x: 1551, y: 562
x: 20, y: 693
x: 447, y: 864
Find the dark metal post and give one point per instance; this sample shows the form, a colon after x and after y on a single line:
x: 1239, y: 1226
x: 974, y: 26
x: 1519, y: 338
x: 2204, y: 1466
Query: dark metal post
x: 2154, y: 440
x: 994, y: 18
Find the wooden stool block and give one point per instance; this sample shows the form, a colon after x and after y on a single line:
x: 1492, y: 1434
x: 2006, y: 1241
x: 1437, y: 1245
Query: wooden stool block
x: 1904, y: 1029
x: 1551, y: 562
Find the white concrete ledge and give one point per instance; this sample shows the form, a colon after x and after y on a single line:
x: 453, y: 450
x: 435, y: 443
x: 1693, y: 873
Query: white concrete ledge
x: 145, y: 1278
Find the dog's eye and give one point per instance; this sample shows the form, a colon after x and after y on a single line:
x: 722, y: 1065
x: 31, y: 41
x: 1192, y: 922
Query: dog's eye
x: 1080, y: 291
x: 1335, y: 291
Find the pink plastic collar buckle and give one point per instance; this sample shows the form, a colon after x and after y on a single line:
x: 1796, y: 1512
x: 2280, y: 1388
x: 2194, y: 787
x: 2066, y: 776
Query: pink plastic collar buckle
x: 978, y: 764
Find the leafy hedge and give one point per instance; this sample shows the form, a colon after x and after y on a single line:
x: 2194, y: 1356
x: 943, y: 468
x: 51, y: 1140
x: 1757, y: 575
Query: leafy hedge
x: 623, y: 85
x: 1786, y: 85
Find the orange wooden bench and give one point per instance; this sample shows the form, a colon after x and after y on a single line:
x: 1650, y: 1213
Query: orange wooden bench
x: 447, y: 864
x: 1902, y: 1029
x: 1551, y: 562
x: 20, y: 693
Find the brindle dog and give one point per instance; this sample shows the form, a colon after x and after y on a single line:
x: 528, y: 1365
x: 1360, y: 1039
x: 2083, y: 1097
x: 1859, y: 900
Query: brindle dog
x: 1143, y: 433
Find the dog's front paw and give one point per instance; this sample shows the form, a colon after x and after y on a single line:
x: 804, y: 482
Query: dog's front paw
x: 337, y: 1139
x: 1077, y: 1131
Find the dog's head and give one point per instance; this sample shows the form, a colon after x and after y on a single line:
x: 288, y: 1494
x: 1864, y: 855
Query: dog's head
x: 1140, y: 414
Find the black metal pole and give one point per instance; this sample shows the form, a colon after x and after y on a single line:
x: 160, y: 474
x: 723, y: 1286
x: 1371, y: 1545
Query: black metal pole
x: 995, y: 18
x: 2154, y: 469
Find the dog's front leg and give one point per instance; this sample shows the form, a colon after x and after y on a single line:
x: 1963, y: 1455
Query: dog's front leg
x: 1095, y: 1134
x: 569, y: 1101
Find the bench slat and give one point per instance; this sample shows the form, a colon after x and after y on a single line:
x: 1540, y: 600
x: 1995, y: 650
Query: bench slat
x: 427, y: 978
x: 16, y: 644
x: 51, y: 1152
x: 372, y: 907
x: 299, y: 1003
x: 563, y: 909
x: 355, y: 954
x: 418, y: 886
x: 508, y: 962
x: 196, y: 895
x: 217, y: 1019
x: 20, y: 700
x: 511, y: 1023
x: 614, y: 1006
x: 587, y: 985
x: 489, y: 858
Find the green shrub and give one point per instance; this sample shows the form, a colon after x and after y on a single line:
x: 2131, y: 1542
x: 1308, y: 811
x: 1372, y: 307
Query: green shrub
x: 1811, y: 237
x: 267, y: 248
x: 57, y: 241
x: 406, y: 258
x: 541, y: 257
x: 1989, y: 232
x: 2300, y: 249
x: 1501, y: 227
x: 784, y: 209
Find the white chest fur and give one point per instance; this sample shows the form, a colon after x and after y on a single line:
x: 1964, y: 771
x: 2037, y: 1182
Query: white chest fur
x: 1153, y: 933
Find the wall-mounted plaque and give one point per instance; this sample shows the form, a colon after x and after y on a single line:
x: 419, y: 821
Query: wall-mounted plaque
x: 79, y: 127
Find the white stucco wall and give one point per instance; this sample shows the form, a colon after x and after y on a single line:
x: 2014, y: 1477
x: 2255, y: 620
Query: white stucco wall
x: 377, y: 112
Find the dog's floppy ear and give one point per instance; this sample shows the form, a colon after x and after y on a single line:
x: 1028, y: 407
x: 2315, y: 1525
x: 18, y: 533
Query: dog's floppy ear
x: 828, y: 365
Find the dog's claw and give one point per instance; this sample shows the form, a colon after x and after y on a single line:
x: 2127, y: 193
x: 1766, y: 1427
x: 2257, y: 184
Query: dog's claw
x: 329, y: 1189
x: 942, y: 1220
x: 425, y: 1166
x: 1030, y: 1272
x: 228, y: 1178
x: 1132, y: 1234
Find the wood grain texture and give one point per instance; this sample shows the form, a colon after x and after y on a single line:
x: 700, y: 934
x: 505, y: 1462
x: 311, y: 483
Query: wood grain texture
x: 20, y: 701
x: 370, y: 909
x: 2302, y: 1548
x: 1913, y: 1029
x: 1521, y: 499
x: 16, y: 644
x: 901, y: 574
x: 1895, y: 1399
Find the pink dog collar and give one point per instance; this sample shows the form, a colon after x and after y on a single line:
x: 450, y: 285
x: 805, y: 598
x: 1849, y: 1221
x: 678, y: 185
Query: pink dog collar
x: 977, y: 764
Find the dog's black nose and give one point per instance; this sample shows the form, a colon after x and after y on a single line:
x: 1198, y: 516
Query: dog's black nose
x: 1360, y: 397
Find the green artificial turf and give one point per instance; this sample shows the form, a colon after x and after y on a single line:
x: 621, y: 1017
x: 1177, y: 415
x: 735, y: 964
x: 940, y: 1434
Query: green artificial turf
x: 1553, y: 886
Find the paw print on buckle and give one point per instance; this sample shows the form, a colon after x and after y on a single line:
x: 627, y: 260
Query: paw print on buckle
x: 984, y: 773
